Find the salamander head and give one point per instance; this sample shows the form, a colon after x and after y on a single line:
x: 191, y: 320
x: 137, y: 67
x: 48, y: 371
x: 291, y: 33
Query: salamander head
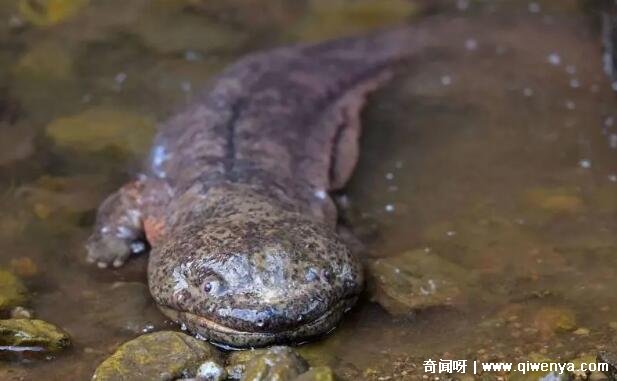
x: 253, y: 281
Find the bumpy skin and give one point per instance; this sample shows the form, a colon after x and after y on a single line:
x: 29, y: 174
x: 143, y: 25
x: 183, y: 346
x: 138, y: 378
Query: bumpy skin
x: 235, y: 202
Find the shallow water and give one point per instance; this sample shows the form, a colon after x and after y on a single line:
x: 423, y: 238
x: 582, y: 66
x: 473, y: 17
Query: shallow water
x: 498, y: 155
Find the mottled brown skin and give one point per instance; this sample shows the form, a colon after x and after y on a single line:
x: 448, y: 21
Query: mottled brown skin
x: 235, y: 201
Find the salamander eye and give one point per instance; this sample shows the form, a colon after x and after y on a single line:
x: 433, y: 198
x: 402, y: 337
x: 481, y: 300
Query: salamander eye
x: 213, y: 285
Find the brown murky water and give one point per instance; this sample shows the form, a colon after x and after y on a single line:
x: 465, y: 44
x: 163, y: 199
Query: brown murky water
x: 500, y: 157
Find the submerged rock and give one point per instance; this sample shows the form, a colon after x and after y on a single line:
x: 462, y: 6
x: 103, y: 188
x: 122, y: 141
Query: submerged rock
x: 99, y: 128
x: 320, y: 373
x: 415, y: 280
x: 551, y: 320
x: 49, y: 12
x: 339, y: 17
x: 164, y: 355
x: 12, y: 291
x: 33, y: 333
x: 275, y: 363
x: 556, y: 200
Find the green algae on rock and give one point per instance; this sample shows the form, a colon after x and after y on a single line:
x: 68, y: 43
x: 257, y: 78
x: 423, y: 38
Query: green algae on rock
x: 163, y: 356
x: 276, y: 363
x: 49, y: 12
x: 415, y: 280
x: 33, y: 333
x: 12, y: 291
x: 338, y: 17
x: 103, y: 127
x: 319, y: 373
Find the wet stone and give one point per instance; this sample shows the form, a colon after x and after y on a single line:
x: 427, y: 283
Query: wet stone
x: 12, y: 291
x: 320, y: 373
x: 551, y: 320
x: 34, y: 334
x: 275, y: 363
x: 163, y: 356
x: 49, y: 12
x: 415, y: 280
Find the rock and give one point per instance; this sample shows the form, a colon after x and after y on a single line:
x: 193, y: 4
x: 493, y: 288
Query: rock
x: 163, y: 356
x: 415, y: 280
x: 275, y: 363
x: 577, y: 374
x: 555, y: 200
x: 21, y: 313
x: 64, y: 199
x: 45, y: 61
x: 12, y: 291
x: 184, y: 31
x: 211, y: 371
x: 339, y: 17
x: 33, y: 333
x: 99, y: 128
x: 49, y: 12
x: 24, y: 267
x: 320, y: 373
x: 551, y: 320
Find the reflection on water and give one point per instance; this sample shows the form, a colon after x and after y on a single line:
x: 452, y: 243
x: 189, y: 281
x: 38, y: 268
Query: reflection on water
x: 498, y: 157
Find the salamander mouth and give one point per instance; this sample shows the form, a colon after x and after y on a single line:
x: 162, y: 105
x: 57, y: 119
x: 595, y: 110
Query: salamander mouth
x: 232, y: 338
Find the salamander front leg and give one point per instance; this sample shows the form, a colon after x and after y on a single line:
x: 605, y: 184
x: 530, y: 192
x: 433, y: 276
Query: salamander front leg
x: 119, y: 227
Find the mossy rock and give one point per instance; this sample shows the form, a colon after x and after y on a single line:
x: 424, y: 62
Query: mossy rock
x: 275, y: 363
x: 12, y: 291
x: 161, y: 356
x: 33, y: 333
x: 415, y: 280
x: 320, y: 373
x: 334, y: 18
x: 99, y: 128
x: 49, y: 12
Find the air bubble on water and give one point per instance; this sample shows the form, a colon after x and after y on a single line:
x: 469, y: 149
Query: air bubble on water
x: 183, y: 327
x: 389, y: 176
x: 527, y: 91
x: 612, y: 141
x: 389, y: 208
x: 471, y: 44
x: 574, y: 83
x: 398, y: 164
x: 614, y: 86
x: 612, y: 178
x: 534, y: 7
x: 462, y: 4
x: 554, y: 59
x: 609, y: 121
x: 570, y: 105
x: 585, y: 163
x: 446, y: 80
x: 571, y: 69
x: 450, y: 233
